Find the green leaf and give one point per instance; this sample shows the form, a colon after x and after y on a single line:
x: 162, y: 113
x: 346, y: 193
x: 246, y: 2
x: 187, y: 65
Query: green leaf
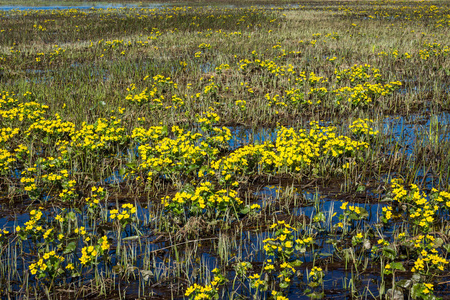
x: 416, y: 290
x: 438, y: 242
x: 131, y: 238
x: 404, y: 283
x: 164, y: 130
x: 389, y: 253
x: 192, y: 168
x: 75, y: 274
x: 387, y: 199
x: 316, y: 295
x: 394, y: 294
x: 122, y: 171
x: 361, y: 189
x: 132, y: 166
x: 354, y: 216
x: 320, y: 217
x: 297, y: 263
x: 284, y: 285
x: 447, y: 248
x: 245, y: 210
x: 70, y: 248
x: 326, y: 254
x: 71, y: 216
x: 300, y: 249
x: 363, y: 212
x: 415, y: 277
x: 397, y: 266
x: 117, y: 269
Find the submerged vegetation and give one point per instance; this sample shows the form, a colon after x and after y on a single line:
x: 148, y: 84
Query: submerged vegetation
x: 249, y: 150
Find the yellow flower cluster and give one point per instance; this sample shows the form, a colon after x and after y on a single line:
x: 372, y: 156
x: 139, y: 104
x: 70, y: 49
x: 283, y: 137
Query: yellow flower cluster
x: 358, y: 73
x: 6, y: 160
x: 88, y: 255
x: 360, y: 89
x: 362, y: 127
x: 204, y: 46
x: 442, y: 197
x: 217, y: 137
x: 363, y: 93
x: 294, y: 151
x: 104, y: 244
x: 269, y: 66
x: 424, y: 209
x: 278, y: 296
x: 305, y: 241
x: 20, y: 111
x: 21, y: 152
x: 174, y: 157
x: 205, y: 196
x: 428, y: 261
x: 256, y: 280
x: 433, y: 50
x: 316, y: 273
x: 143, y: 135
x: 387, y: 211
x: 154, y: 94
x: 241, y: 104
x: 429, y: 287
x: 53, y: 177
x: 81, y: 230
x: 199, y: 292
x: 32, y: 226
x: 282, y: 244
x: 209, y: 291
x: 99, y: 136
x: 211, y: 88
x: 8, y: 133
x: 29, y: 184
x: 97, y: 194
x: 51, y: 127
x: 243, y: 159
x: 124, y: 214
x: 223, y: 67
x: 68, y: 192
x: 49, y: 260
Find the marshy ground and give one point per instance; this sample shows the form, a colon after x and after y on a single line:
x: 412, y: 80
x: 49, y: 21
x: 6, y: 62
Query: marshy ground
x: 225, y: 150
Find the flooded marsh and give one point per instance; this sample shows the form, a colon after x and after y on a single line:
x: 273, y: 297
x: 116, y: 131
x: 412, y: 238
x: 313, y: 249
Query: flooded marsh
x: 226, y: 150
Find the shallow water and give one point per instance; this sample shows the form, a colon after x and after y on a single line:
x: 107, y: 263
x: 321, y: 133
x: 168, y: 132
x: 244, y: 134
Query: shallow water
x: 247, y: 245
x: 242, y: 136
x: 416, y: 129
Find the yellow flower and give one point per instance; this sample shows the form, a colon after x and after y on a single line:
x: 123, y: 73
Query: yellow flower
x: 190, y: 290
